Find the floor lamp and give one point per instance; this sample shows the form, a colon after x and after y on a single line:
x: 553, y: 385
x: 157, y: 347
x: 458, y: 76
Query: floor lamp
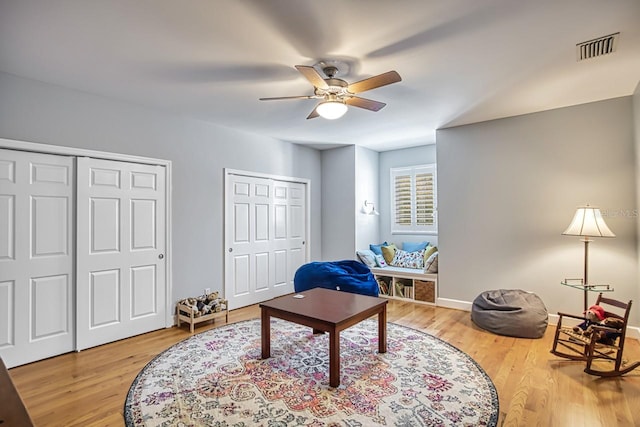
x: 587, y: 222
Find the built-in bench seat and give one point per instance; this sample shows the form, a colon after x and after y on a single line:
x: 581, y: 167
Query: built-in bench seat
x: 409, y: 273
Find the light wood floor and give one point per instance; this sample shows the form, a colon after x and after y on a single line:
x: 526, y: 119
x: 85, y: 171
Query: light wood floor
x: 535, y: 388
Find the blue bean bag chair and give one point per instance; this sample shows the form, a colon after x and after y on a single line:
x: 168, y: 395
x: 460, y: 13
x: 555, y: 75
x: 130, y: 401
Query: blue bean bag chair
x: 348, y: 275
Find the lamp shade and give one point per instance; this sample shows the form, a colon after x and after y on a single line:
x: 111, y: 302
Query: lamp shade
x: 588, y: 221
x: 331, y: 109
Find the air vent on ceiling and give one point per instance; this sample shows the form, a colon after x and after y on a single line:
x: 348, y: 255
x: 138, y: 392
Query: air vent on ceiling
x: 597, y: 47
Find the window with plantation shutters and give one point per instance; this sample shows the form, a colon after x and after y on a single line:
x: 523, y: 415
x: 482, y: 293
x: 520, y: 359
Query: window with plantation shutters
x: 414, y: 199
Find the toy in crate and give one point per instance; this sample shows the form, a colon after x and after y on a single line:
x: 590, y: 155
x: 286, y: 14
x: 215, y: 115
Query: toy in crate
x: 201, y: 309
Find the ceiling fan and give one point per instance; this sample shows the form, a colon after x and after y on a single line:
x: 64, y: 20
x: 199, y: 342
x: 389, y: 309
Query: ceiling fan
x: 335, y: 94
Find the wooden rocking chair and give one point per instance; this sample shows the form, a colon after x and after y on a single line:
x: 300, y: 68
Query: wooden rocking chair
x: 576, y: 346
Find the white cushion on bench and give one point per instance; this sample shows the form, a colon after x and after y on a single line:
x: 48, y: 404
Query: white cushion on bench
x: 410, y: 273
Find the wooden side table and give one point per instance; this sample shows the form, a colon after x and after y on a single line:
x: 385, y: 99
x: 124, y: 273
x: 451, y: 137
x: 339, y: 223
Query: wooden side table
x: 325, y: 310
x: 12, y: 409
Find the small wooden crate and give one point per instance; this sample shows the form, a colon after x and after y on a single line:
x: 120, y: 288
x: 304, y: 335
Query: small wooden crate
x: 187, y: 314
x: 425, y: 290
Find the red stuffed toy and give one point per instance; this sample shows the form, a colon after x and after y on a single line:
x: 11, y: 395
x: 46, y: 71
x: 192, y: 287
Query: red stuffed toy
x: 595, y: 316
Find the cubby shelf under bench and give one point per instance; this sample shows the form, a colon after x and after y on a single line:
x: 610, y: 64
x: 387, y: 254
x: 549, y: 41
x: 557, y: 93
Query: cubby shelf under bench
x: 407, y: 283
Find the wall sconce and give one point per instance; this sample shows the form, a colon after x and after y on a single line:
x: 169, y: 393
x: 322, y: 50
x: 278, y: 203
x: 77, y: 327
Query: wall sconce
x: 369, y: 208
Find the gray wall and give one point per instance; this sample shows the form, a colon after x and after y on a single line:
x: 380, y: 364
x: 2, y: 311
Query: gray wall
x: 37, y: 112
x: 351, y: 175
x: 421, y: 155
x: 338, y: 203
x: 508, y: 188
x: 367, y: 226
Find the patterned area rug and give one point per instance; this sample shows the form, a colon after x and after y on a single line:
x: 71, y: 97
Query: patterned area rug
x: 217, y: 378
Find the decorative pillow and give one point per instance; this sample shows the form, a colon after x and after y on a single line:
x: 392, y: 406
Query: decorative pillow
x: 380, y: 261
x: 388, y: 252
x: 413, y: 246
x: 408, y: 259
x: 431, y: 265
x: 376, y: 248
x: 367, y: 257
x: 428, y: 251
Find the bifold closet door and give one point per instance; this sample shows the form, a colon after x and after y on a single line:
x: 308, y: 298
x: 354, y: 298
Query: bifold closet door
x: 36, y: 256
x: 121, y: 286
x: 265, y: 235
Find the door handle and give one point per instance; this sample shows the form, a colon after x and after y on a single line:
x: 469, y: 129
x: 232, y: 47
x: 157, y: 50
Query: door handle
x: 230, y: 249
x: 161, y: 256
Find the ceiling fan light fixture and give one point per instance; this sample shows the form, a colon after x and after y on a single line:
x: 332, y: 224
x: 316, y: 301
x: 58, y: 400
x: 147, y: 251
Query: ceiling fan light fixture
x: 331, y: 110
x: 336, y: 95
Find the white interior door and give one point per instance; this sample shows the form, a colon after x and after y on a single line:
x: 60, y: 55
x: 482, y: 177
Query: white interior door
x: 290, y: 232
x: 36, y: 256
x: 265, y: 237
x: 120, y: 250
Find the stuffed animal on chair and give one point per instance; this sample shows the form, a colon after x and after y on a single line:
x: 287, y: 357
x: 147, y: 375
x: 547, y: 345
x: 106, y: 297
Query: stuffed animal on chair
x: 595, y: 314
x: 605, y: 337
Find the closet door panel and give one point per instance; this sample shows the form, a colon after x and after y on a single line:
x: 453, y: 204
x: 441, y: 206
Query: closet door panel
x: 50, y: 304
x: 121, y: 286
x: 7, y: 292
x: 144, y: 287
x: 36, y: 256
x: 296, y: 228
x: 49, y: 226
x: 265, y: 229
x: 143, y: 225
x: 104, y: 225
x: 105, y: 298
x: 7, y: 227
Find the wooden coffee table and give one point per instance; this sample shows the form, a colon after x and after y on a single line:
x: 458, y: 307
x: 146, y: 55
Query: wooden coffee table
x: 325, y: 310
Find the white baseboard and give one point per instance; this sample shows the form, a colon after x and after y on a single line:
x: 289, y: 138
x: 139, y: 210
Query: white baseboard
x: 453, y: 303
x: 632, y: 331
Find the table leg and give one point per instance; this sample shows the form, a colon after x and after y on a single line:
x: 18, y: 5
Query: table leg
x: 334, y: 358
x: 265, y: 327
x: 382, y: 330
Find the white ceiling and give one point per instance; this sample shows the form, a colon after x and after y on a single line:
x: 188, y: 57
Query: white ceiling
x: 461, y: 61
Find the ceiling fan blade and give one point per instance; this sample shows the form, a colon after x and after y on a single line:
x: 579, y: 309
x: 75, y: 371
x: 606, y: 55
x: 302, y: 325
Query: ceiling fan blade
x: 374, y: 82
x: 367, y: 104
x: 288, y: 97
x: 313, y: 114
x: 313, y: 76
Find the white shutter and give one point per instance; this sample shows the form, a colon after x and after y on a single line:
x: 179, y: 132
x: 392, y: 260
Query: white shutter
x: 403, y: 197
x: 424, y: 199
x: 414, y: 199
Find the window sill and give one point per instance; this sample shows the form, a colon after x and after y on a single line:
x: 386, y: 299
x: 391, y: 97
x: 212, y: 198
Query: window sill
x: 428, y: 233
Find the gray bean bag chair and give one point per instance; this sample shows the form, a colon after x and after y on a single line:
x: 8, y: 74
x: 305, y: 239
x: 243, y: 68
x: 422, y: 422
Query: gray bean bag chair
x: 510, y: 312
